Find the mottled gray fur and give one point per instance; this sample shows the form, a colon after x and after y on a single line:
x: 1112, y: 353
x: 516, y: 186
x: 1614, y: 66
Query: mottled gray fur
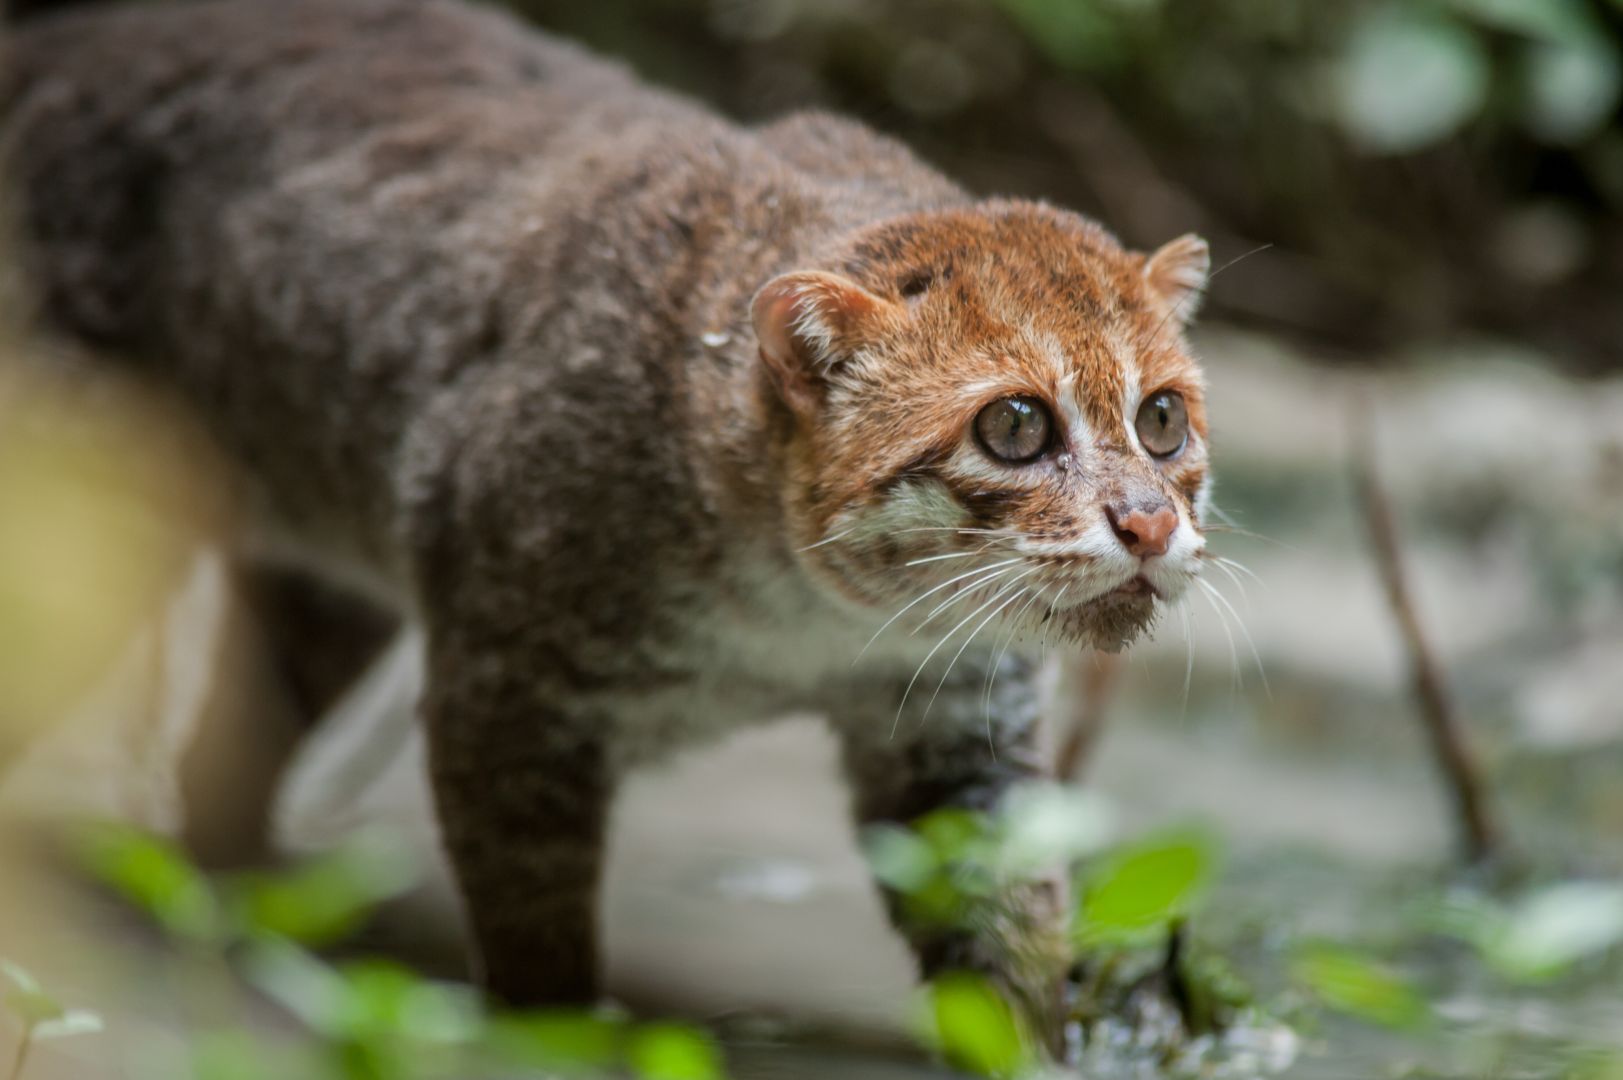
x: 472, y: 310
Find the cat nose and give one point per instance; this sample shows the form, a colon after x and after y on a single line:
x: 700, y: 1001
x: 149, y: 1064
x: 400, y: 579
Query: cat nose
x: 1144, y: 532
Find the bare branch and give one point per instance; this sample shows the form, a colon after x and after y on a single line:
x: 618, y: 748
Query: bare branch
x: 1479, y: 831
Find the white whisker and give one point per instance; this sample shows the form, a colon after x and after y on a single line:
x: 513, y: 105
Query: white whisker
x: 1053, y: 609
x: 920, y: 599
x: 959, y: 597
x: 1235, y: 564
x: 1222, y: 620
x: 938, y: 558
x: 830, y: 540
x: 1000, y: 651
x: 1250, y: 644
x: 1188, y: 655
x: 997, y: 534
x: 1232, y: 576
x: 929, y: 655
x: 1008, y: 640
x: 970, y: 639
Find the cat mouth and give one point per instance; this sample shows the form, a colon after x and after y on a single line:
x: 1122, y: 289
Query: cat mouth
x: 1114, y: 619
x: 1135, y: 586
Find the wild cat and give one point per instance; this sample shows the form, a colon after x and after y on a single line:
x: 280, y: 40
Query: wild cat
x: 658, y: 425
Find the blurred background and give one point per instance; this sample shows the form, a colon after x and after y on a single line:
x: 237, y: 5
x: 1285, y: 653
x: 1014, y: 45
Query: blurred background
x: 1414, y: 208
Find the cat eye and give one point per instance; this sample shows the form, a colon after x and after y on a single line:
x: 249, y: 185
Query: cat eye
x: 1163, y: 423
x: 1015, y: 429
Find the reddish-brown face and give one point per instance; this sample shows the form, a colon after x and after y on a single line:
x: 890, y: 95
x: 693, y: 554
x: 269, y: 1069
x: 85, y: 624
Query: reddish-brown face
x: 996, y: 415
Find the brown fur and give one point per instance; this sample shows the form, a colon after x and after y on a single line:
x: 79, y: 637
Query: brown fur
x: 644, y: 414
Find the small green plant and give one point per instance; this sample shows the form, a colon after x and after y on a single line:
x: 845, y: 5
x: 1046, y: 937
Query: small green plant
x: 1357, y: 985
x: 40, y: 1015
x: 1132, y: 902
x: 974, y: 1028
x: 363, y: 1019
x: 1542, y: 936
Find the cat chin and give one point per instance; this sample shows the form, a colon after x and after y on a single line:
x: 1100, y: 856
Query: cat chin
x: 1110, y: 623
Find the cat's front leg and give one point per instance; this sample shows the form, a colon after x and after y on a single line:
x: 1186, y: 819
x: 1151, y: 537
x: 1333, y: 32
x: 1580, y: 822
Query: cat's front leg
x: 966, y: 753
x: 522, y: 789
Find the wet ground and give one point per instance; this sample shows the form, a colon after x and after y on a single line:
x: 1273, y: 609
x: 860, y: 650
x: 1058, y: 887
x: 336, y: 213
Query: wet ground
x: 735, y: 888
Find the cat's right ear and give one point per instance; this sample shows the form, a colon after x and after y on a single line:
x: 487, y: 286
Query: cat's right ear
x: 808, y: 322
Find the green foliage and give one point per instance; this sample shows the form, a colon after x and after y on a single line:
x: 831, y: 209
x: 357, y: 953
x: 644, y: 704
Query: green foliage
x: 326, y: 899
x: 40, y: 1014
x: 319, y: 902
x: 673, y: 1052
x: 1136, y: 893
x: 952, y: 866
x: 236, y: 1055
x: 152, y: 874
x: 1076, y: 37
x: 1410, y: 76
x: 366, y: 1019
x: 1358, y: 986
x: 375, y: 1020
x: 567, y: 1043
x: 1599, y: 1065
x: 1543, y: 936
x: 974, y: 1028
x: 26, y: 1000
x: 1414, y: 73
x: 950, y: 862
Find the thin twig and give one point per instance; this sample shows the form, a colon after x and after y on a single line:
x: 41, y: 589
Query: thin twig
x: 1479, y: 831
x: 22, y: 1052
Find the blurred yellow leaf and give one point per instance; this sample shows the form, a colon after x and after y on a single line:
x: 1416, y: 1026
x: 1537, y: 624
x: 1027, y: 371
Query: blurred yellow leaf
x: 98, y: 511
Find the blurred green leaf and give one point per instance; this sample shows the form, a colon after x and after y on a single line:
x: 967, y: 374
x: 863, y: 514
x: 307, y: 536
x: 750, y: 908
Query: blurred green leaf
x: 41, y: 1014
x: 560, y: 1042
x: 673, y: 1052
x: 1358, y: 986
x: 1077, y: 34
x: 69, y: 1023
x: 34, y: 1007
x: 899, y: 857
x: 1557, y: 927
x: 326, y: 899
x: 952, y: 833
x: 385, y: 998
x: 1141, y: 889
x: 152, y: 873
x: 229, y: 1055
x: 975, y: 1028
x: 1552, y: 20
x: 1572, y: 89
x: 1596, y: 1065
x: 28, y: 1001
x: 938, y: 902
x: 1409, y: 77
x: 20, y: 977
x: 1044, y: 825
x: 300, y: 983
x: 1463, y: 914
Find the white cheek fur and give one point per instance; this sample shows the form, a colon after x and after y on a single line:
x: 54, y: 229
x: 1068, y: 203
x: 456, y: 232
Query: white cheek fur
x: 1132, y: 396
x: 914, y: 505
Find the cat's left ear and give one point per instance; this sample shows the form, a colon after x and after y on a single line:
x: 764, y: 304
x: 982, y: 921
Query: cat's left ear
x: 1177, y: 273
x: 808, y: 323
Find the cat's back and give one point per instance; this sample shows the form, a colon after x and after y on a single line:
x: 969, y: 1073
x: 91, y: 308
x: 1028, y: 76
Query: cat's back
x: 325, y: 67
x: 309, y: 215
x: 123, y: 122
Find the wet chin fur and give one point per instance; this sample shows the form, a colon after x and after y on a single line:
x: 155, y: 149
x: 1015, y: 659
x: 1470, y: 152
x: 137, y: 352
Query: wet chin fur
x: 1110, y: 623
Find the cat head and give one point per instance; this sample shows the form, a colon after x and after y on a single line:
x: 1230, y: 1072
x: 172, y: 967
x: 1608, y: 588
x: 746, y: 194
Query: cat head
x: 995, y: 418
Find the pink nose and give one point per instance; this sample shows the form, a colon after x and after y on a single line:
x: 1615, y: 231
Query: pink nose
x: 1144, y: 532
